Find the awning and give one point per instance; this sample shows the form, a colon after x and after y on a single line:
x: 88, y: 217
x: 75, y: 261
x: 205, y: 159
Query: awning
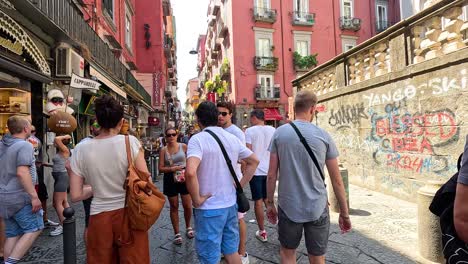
x: 272, y: 114
x: 107, y: 82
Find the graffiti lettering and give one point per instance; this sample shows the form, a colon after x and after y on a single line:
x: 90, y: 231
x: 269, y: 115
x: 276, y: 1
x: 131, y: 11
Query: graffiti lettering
x: 389, y: 97
x: 348, y: 114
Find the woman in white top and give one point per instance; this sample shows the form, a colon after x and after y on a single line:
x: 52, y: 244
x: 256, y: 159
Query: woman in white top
x: 102, y: 163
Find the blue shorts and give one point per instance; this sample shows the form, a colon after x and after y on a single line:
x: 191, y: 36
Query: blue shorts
x: 258, y: 187
x: 217, y: 230
x: 24, y: 221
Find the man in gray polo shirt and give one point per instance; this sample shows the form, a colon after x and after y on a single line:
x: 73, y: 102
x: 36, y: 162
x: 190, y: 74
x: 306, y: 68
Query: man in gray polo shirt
x: 302, y: 194
x: 20, y: 207
x: 460, y: 210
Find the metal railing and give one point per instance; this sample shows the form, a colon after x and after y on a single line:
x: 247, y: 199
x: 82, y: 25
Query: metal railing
x: 66, y: 17
x: 350, y: 23
x: 266, y: 63
x: 264, y: 14
x: 132, y: 81
x: 303, y: 18
x: 381, y: 25
x: 267, y: 93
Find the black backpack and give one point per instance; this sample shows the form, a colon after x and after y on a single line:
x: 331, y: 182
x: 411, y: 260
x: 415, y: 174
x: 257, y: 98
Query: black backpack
x: 454, y: 249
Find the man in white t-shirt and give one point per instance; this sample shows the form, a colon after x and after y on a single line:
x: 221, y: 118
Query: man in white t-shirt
x: 225, y: 121
x: 211, y: 187
x: 258, y: 138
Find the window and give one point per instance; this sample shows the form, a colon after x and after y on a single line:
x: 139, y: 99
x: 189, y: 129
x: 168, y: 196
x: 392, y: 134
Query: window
x: 382, y: 15
x: 262, y: 4
x: 348, y: 42
x: 264, y: 47
x: 302, y: 40
x: 347, y: 8
x: 302, y: 47
x: 266, y: 86
x: 301, y: 9
x: 128, y: 30
x: 108, y: 6
x: 262, y: 7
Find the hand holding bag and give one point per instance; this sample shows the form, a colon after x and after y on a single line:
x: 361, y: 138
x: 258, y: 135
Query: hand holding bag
x: 243, y: 204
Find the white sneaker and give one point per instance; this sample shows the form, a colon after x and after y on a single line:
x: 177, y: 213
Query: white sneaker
x: 245, y: 259
x: 57, y: 231
x: 261, y: 235
x: 50, y: 223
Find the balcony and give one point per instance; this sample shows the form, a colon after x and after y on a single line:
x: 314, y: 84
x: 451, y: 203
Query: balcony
x: 263, y: 93
x: 350, y: 23
x: 381, y: 25
x: 216, y: 6
x: 266, y: 63
x: 264, y: 15
x: 303, y: 19
x: 138, y: 89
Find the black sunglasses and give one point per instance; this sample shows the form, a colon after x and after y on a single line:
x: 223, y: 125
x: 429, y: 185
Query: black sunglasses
x: 171, y: 135
x: 56, y: 100
x: 223, y: 113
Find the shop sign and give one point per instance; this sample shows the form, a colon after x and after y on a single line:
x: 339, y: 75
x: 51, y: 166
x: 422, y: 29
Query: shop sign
x: 83, y: 83
x: 16, y: 47
x: 156, y: 89
x: 153, y: 121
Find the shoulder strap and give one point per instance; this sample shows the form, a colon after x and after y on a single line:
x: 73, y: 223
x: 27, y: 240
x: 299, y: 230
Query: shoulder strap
x: 309, y: 150
x: 129, y: 152
x: 226, y: 158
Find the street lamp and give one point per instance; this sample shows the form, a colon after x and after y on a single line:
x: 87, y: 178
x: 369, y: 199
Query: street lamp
x: 193, y: 52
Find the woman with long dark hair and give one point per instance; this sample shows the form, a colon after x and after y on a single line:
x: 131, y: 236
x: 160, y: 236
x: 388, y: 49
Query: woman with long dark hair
x: 172, y: 160
x: 102, y: 163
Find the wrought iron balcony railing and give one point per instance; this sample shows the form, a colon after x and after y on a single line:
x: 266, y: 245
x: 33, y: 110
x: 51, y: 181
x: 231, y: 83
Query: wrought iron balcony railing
x: 267, y: 93
x: 381, y: 25
x: 350, y: 23
x: 303, y: 18
x: 264, y: 15
x: 266, y: 63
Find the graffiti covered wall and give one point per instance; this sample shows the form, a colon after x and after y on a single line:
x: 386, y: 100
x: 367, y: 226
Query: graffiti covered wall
x: 395, y: 137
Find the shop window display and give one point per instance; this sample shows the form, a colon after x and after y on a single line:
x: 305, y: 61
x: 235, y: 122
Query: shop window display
x: 13, y: 101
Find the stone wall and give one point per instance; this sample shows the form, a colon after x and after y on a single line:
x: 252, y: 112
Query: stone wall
x: 397, y: 104
x: 394, y: 137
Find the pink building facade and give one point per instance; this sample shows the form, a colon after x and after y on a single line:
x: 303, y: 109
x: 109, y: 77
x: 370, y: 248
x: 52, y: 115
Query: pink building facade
x: 259, y: 39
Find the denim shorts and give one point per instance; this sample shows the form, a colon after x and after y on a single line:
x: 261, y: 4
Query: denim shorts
x: 217, y: 231
x: 24, y: 221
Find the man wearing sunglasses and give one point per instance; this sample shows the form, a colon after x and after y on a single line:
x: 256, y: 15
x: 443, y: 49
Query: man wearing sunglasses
x: 225, y: 121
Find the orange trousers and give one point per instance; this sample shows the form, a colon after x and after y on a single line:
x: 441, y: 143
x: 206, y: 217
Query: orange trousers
x: 104, y: 245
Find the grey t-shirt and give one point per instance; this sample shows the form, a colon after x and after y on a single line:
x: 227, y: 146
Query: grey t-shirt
x: 14, y: 152
x: 302, y: 194
x: 463, y: 174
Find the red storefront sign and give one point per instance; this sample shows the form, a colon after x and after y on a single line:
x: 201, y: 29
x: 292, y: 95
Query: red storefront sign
x: 153, y: 121
x: 211, y: 96
x: 156, y: 89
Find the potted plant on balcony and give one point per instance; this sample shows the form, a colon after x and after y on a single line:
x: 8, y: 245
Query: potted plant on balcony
x: 217, y: 86
x: 304, y: 63
x: 225, y: 68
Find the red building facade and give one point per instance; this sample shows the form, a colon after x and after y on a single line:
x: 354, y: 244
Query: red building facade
x: 265, y: 44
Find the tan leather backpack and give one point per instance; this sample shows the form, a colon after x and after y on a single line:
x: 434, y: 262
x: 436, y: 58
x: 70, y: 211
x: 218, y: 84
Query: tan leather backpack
x: 143, y: 201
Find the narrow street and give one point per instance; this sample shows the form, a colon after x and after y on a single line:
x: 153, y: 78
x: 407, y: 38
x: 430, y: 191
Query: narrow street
x: 384, y: 231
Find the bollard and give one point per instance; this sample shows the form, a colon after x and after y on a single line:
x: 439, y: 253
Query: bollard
x: 69, y: 236
x: 334, y: 205
x: 429, y: 235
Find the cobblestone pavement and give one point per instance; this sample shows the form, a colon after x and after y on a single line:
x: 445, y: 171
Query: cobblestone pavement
x: 384, y: 231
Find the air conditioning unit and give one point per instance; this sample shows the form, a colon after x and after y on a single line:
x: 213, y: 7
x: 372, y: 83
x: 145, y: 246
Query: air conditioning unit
x: 67, y: 61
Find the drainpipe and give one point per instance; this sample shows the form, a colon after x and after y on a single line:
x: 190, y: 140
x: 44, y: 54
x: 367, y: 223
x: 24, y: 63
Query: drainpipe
x: 282, y: 49
x: 370, y: 18
x: 334, y: 27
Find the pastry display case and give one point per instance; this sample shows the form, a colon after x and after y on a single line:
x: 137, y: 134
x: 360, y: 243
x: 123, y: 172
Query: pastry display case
x: 13, y: 101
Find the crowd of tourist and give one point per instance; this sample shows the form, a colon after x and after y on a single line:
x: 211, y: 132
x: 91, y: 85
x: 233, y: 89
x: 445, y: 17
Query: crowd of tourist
x: 196, y: 168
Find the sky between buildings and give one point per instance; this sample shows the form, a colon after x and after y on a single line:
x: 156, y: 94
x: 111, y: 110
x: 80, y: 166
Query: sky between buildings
x: 191, y: 21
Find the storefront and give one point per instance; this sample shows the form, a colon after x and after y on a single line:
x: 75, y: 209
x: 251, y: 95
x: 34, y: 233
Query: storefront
x: 24, y: 72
